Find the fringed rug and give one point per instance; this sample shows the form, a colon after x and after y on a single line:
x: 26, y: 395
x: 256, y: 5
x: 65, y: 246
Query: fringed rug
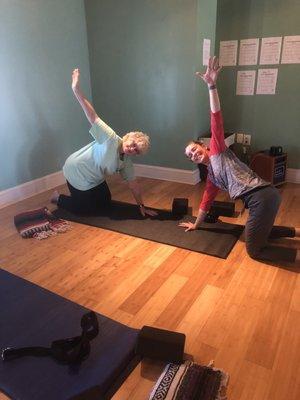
x: 39, y: 224
x: 190, y: 381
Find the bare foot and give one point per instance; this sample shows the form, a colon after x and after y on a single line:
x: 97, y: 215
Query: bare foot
x: 297, y: 232
x: 54, y: 197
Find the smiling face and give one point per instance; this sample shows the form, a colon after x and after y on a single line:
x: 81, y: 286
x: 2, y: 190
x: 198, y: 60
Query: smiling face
x: 130, y: 147
x: 197, y: 153
x: 134, y: 143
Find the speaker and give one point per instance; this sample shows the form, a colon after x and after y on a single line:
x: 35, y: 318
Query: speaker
x: 180, y: 206
x: 275, y: 151
x: 160, y: 344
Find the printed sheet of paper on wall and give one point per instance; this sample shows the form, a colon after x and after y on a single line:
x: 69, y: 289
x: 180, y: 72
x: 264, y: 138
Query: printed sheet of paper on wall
x: 291, y: 50
x: 270, y: 50
x: 206, y: 51
x: 266, y: 81
x: 245, y: 83
x: 228, y: 53
x: 248, y: 53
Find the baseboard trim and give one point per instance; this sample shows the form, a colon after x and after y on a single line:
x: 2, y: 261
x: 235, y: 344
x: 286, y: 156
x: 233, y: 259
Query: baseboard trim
x: 31, y: 188
x: 28, y: 189
x: 167, y: 174
x: 293, y: 175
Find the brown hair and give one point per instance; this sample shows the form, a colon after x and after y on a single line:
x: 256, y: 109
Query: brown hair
x: 200, y: 142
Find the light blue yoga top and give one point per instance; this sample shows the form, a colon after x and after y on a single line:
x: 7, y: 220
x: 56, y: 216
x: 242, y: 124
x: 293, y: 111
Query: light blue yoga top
x: 87, y: 167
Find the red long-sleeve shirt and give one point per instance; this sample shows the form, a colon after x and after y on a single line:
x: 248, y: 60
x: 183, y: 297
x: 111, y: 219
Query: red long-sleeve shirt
x: 217, y: 146
x: 225, y: 170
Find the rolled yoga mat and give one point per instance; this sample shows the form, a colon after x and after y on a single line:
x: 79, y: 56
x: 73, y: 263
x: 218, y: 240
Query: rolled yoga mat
x: 214, y: 239
x: 33, y: 316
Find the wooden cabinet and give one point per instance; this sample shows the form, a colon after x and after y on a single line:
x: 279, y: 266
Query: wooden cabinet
x: 270, y: 168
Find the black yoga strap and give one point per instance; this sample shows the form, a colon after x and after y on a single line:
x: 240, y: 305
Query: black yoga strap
x: 66, y: 351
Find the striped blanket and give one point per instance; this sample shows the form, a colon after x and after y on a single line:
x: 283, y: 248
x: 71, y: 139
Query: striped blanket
x: 190, y: 381
x: 39, y: 223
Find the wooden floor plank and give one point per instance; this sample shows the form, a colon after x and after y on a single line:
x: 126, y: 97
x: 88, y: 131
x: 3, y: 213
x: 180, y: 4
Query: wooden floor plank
x: 242, y: 313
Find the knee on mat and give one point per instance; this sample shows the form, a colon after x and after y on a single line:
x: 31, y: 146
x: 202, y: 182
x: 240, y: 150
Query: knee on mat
x: 253, y: 251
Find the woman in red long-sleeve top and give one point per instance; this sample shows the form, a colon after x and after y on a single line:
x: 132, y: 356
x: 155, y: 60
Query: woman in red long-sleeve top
x: 228, y: 173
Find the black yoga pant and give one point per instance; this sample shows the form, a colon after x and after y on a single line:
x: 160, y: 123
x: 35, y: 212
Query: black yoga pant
x: 91, y: 201
x: 263, y: 206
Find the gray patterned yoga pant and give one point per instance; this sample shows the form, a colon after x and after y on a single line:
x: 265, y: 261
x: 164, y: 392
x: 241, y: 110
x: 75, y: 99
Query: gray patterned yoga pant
x: 263, y: 206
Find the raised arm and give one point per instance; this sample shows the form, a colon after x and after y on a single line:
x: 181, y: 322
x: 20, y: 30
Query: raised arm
x: 210, y: 78
x: 85, y: 104
x: 217, y: 143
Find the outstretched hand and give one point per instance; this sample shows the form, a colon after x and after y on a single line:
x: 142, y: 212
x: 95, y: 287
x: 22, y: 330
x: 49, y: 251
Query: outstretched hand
x: 189, y: 226
x: 212, y: 71
x: 75, y: 79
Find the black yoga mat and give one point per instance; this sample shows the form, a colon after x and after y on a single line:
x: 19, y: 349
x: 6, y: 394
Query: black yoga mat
x: 33, y: 316
x: 214, y: 239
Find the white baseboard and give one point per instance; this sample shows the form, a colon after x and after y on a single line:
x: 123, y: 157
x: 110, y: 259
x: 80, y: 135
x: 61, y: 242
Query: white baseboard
x: 48, y: 182
x: 167, y: 174
x: 31, y: 188
x: 293, y: 175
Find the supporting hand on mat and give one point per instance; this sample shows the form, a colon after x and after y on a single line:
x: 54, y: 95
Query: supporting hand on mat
x: 137, y: 194
x: 188, y: 225
x: 146, y: 211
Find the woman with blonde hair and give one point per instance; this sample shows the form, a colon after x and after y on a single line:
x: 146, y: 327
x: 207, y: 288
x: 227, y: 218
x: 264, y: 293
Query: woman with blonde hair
x: 85, y: 170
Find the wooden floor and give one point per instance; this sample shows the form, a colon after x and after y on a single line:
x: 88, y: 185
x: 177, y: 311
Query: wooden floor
x: 242, y: 313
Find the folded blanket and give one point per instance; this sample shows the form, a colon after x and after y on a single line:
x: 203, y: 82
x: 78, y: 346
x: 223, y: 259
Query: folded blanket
x: 39, y: 223
x: 190, y: 381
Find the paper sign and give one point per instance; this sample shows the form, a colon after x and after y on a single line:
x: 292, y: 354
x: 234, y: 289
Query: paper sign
x: 228, y: 52
x: 245, y: 83
x: 266, y: 81
x: 270, y: 50
x: 206, y: 51
x: 291, y: 50
x: 248, y: 51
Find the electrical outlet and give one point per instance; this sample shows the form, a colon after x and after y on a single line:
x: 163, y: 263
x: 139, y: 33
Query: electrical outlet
x: 247, y: 140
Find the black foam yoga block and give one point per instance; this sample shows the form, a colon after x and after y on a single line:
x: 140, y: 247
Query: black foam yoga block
x: 180, y: 206
x: 160, y: 344
x: 225, y: 208
x: 211, y: 218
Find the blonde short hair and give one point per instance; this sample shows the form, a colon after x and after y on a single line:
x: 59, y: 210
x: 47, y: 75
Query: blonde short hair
x: 141, y: 139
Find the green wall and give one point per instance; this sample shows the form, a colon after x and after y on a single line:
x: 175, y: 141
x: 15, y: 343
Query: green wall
x: 270, y: 119
x: 40, y: 121
x: 143, y: 57
x: 206, y: 28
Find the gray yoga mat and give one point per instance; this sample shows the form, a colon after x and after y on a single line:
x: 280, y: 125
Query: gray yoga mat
x: 214, y: 239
